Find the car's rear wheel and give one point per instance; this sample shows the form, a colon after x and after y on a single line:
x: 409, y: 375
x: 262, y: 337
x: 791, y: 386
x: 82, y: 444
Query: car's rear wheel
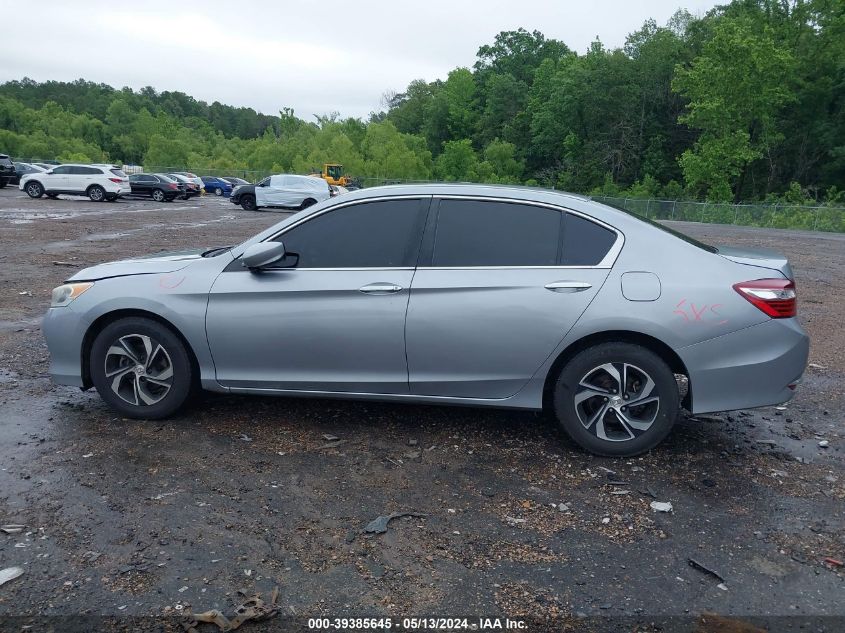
x: 218, y: 191
x: 616, y: 399
x: 3, y: 183
x: 96, y: 193
x: 158, y: 195
x: 248, y: 203
x: 307, y: 203
x: 34, y: 189
x: 141, y: 368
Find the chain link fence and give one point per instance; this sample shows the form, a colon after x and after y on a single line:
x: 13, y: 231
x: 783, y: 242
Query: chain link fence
x: 783, y: 216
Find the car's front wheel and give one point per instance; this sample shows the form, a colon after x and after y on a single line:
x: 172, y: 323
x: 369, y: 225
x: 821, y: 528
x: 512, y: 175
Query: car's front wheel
x: 616, y: 399
x: 141, y: 368
x: 34, y: 189
x: 97, y: 193
x: 248, y: 203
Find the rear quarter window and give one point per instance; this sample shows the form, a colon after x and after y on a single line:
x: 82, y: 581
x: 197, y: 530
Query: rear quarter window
x: 118, y: 172
x: 585, y: 243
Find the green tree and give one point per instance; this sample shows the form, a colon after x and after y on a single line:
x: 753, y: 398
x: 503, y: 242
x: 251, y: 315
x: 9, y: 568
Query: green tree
x: 735, y: 89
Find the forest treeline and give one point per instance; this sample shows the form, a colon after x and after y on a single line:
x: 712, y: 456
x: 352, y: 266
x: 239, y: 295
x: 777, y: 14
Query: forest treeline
x: 744, y: 103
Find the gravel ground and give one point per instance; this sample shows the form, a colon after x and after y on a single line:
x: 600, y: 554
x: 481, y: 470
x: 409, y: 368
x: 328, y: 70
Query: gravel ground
x: 129, y: 519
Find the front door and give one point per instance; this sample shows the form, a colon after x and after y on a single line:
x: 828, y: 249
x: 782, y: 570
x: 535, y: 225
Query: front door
x: 331, y: 315
x: 501, y: 286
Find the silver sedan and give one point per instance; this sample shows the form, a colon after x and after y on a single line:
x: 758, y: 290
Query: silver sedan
x: 445, y: 294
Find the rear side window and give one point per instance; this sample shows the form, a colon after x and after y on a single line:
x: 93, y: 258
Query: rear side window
x: 382, y: 234
x: 585, y: 243
x: 481, y: 233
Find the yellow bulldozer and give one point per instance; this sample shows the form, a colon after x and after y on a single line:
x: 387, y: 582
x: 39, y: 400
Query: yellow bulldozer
x: 333, y: 174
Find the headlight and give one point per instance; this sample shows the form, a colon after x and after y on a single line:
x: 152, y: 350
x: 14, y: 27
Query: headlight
x: 63, y: 295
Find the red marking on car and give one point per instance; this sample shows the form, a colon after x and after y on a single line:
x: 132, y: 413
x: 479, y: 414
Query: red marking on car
x: 698, y: 312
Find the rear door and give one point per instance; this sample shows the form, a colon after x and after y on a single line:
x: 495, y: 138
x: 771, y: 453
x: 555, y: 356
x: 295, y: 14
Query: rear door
x: 496, y: 291
x: 331, y: 316
x: 141, y: 184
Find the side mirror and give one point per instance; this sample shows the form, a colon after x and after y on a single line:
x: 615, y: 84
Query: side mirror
x: 262, y: 254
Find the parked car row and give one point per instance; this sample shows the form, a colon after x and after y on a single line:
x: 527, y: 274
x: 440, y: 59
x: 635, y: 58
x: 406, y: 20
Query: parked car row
x: 108, y: 182
x: 104, y: 182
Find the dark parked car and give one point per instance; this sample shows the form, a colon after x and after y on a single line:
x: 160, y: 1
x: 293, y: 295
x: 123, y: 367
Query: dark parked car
x: 191, y: 188
x: 217, y: 186
x: 7, y: 170
x: 235, y: 181
x: 22, y: 169
x: 159, y: 187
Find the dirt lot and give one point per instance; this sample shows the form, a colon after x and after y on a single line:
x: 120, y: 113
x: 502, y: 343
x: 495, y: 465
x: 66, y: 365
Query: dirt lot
x: 130, y: 519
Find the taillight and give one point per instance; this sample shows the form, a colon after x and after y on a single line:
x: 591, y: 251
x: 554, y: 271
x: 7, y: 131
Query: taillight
x: 117, y: 180
x: 775, y: 297
x: 172, y: 185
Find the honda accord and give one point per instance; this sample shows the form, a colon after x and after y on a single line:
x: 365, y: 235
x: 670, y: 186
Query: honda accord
x: 445, y: 294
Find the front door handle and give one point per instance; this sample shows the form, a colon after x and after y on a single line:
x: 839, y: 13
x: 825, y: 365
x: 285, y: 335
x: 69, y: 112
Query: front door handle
x: 568, y: 286
x: 380, y: 288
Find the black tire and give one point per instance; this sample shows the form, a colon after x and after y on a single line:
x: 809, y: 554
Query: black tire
x: 307, y: 203
x: 3, y: 183
x: 218, y: 191
x: 158, y: 195
x: 34, y: 189
x: 248, y: 203
x: 578, y: 408
x: 96, y: 193
x: 141, y: 385
x: 52, y: 196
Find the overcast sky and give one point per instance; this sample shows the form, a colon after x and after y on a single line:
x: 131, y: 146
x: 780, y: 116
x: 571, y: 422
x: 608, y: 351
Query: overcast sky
x: 316, y: 57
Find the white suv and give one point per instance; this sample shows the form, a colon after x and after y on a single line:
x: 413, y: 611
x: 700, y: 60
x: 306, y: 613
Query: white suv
x: 98, y: 182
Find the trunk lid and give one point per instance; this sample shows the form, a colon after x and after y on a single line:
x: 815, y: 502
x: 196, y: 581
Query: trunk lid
x: 760, y: 257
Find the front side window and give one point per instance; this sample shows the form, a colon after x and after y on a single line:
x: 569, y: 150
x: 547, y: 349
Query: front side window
x: 482, y: 233
x: 61, y: 170
x: 383, y: 234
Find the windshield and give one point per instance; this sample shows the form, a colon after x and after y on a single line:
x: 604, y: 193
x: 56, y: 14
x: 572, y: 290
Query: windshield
x: 663, y: 227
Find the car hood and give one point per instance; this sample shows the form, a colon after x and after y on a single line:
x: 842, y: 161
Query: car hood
x: 147, y: 265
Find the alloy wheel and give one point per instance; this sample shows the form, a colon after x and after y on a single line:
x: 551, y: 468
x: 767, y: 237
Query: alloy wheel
x: 158, y: 195
x: 139, y: 370
x: 617, y: 401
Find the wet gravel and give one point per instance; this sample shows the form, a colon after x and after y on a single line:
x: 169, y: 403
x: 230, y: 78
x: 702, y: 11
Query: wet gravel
x: 127, y: 518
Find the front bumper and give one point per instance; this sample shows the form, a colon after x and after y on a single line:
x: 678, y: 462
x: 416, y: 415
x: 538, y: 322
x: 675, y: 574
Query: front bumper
x: 64, y: 331
x: 757, y: 366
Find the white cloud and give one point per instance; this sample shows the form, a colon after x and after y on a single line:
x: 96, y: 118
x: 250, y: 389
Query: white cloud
x: 316, y: 58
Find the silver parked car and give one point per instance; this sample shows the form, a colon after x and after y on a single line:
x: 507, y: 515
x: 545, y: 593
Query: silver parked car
x: 445, y: 294
x: 282, y: 190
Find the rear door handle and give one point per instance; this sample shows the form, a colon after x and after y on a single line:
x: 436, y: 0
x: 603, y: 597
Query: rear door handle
x: 380, y: 288
x: 568, y: 286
